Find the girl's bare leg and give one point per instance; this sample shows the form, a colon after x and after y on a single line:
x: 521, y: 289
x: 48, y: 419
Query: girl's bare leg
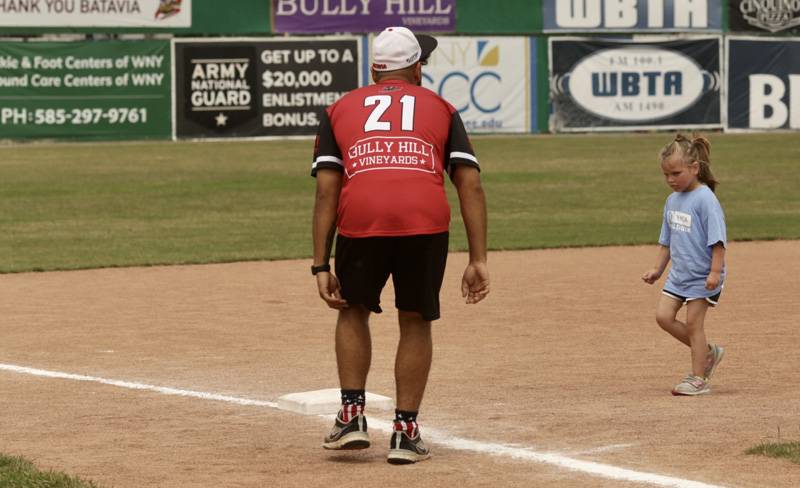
x: 695, y: 320
x: 665, y: 316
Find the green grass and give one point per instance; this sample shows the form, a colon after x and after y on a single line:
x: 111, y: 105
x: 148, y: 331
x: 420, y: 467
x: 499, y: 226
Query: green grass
x: 17, y: 472
x: 782, y: 450
x: 71, y: 206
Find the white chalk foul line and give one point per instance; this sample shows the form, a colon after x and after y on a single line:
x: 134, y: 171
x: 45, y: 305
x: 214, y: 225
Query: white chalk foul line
x: 432, y: 435
x: 164, y: 390
x: 598, y: 469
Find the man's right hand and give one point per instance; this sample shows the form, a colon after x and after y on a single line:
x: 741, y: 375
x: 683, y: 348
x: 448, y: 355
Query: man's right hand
x: 475, y: 283
x: 330, y: 291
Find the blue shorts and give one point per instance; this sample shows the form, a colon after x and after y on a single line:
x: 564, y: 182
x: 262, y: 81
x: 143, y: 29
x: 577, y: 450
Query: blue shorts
x: 712, y: 300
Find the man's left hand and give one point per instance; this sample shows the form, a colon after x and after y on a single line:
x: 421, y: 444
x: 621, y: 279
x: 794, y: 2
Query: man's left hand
x: 475, y: 283
x: 330, y: 290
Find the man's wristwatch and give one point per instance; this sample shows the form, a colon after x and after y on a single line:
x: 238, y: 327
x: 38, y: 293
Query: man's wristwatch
x: 319, y: 269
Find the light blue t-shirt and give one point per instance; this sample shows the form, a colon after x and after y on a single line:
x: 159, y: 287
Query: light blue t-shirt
x: 693, y: 223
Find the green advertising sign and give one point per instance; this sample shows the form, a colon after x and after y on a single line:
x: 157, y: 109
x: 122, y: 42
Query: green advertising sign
x: 86, y: 90
x: 506, y: 17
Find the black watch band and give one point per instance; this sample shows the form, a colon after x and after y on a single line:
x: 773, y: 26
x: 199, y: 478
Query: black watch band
x: 320, y: 268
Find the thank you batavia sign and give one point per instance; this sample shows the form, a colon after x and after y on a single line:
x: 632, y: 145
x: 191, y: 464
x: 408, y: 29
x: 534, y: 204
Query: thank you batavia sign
x: 632, y: 15
x: 334, y: 16
x: 243, y: 88
x: 96, y: 13
x: 603, y: 84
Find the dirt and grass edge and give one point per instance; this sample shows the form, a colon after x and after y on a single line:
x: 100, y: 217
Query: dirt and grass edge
x: 18, y: 472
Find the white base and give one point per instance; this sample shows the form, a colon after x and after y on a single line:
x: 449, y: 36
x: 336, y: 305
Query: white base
x: 327, y: 401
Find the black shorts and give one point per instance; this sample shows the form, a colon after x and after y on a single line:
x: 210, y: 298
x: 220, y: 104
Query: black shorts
x: 712, y: 300
x: 416, y: 264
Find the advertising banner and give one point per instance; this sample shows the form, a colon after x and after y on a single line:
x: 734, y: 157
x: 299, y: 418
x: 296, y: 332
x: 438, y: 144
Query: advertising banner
x: 488, y: 79
x: 101, y: 90
x: 333, y: 16
x: 632, y: 15
x: 96, y: 13
x: 780, y: 16
x: 258, y: 87
x: 763, y: 79
x: 617, y: 85
x: 506, y: 17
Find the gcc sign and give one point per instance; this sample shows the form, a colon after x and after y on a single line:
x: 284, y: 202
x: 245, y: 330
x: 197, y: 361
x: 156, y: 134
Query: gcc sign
x: 484, y: 80
x: 466, y: 72
x: 466, y: 91
x: 636, y: 84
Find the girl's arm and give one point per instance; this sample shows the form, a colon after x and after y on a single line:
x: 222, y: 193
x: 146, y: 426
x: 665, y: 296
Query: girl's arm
x: 654, y: 274
x: 717, y: 263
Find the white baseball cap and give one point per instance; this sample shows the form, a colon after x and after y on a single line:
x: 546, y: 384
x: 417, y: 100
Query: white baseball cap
x: 398, y: 48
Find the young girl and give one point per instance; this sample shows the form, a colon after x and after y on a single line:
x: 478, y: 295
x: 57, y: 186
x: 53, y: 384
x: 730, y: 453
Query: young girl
x: 693, y: 236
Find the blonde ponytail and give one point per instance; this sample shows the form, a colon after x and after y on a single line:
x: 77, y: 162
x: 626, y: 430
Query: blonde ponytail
x: 701, y: 152
x: 697, y: 149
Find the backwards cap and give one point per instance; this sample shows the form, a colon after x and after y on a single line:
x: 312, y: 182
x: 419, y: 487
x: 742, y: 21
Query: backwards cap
x: 398, y: 48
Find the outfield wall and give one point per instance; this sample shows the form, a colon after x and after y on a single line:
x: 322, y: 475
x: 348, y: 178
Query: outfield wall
x: 521, y: 17
x: 518, y: 67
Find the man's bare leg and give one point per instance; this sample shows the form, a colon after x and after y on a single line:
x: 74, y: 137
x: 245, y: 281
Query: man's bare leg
x: 413, y: 360
x: 353, y: 347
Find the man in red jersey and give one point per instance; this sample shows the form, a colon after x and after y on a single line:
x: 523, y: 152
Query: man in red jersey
x: 380, y: 158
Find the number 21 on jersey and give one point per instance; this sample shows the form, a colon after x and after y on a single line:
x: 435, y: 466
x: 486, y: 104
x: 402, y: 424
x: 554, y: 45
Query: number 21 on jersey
x: 382, y: 104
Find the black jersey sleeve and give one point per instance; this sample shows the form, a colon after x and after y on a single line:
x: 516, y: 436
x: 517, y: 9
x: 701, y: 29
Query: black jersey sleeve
x: 326, y: 151
x: 458, y: 150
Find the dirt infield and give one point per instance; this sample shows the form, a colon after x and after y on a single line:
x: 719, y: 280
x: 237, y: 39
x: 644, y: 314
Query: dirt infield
x: 563, y: 358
